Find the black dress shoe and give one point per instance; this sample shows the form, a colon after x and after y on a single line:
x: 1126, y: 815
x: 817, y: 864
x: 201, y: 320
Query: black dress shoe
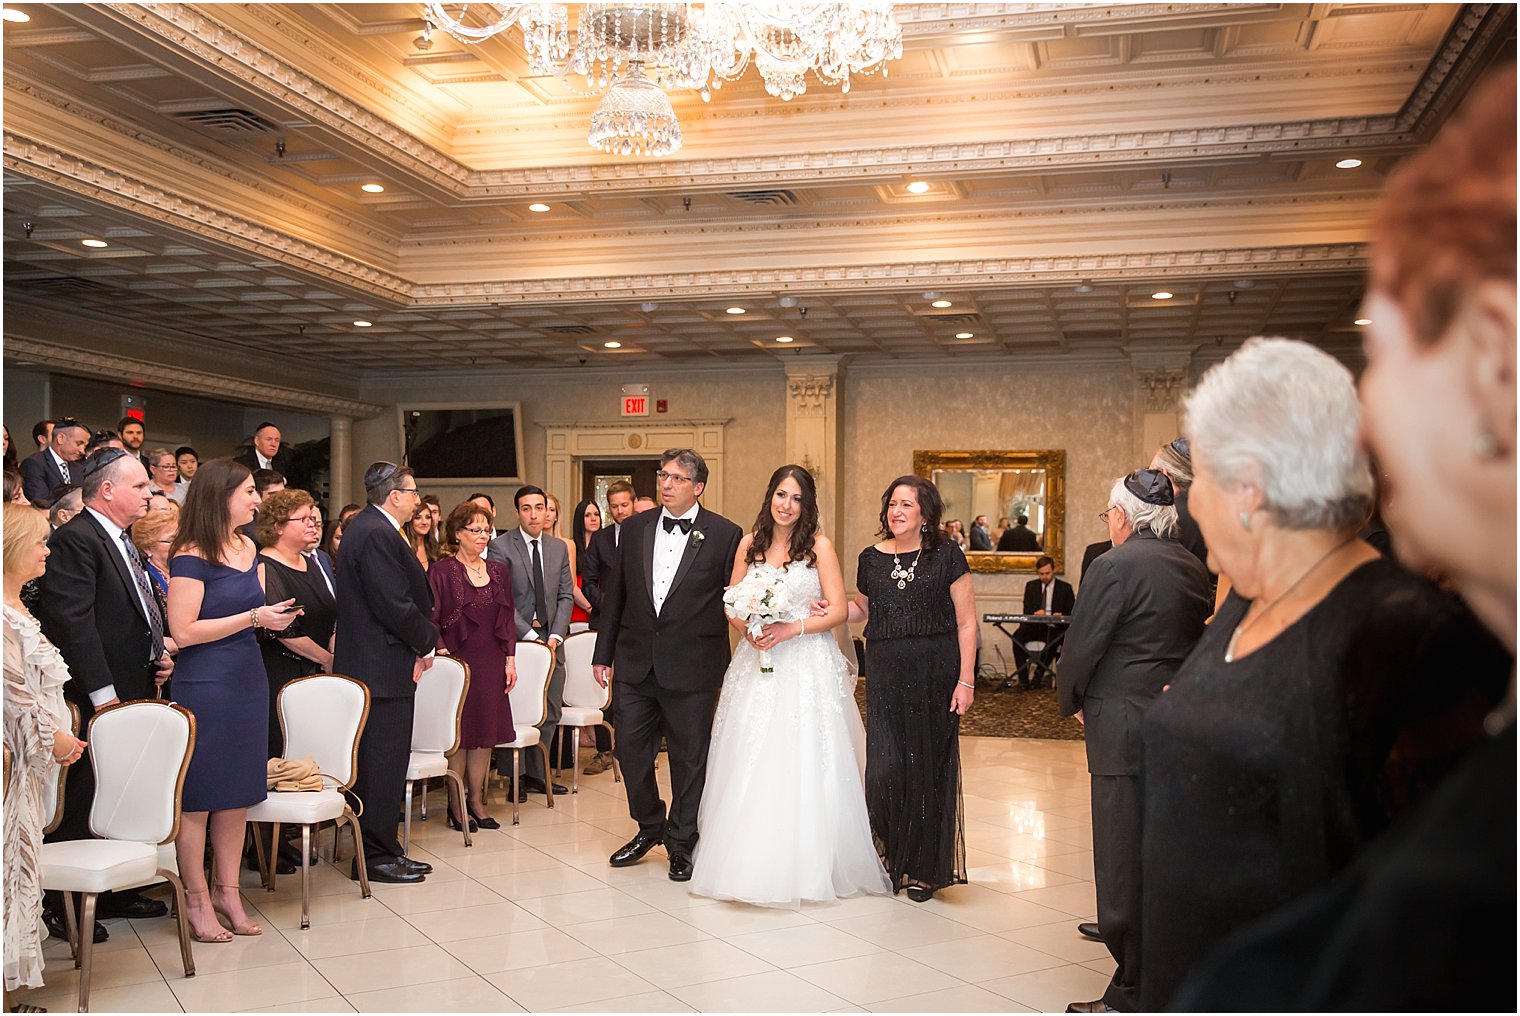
x: 420, y: 867
x: 1089, y: 929
x: 534, y: 785
x: 57, y: 929
x: 483, y: 822
x: 388, y: 871
x: 282, y: 866
x: 1096, y: 1005
x: 135, y: 907
x: 919, y: 893
x: 634, y: 850
x: 680, y: 869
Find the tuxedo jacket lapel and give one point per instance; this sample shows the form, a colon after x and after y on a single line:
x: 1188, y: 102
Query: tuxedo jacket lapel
x: 114, y: 556
x: 646, y: 558
x: 693, y: 546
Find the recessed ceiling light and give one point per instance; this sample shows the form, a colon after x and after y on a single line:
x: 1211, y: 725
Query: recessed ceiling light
x: 612, y: 344
x: 538, y: 206
x: 940, y: 303
x: 11, y: 14
x: 1244, y: 283
x: 363, y: 324
x: 1364, y: 321
x: 94, y: 243
x: 373, y: 188
x: 735, y: 310
x: 964, y: 335
x: 784, y: 338
x: 1161, y: 294
x: 1348, y: 164
x: 918, y: 186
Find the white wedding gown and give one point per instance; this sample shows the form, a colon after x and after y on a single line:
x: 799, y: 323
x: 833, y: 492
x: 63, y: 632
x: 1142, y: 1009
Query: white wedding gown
x: 783, y: 816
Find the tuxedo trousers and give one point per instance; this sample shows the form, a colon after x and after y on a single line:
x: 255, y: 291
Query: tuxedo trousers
x: 644, y: 710
x: 385, y: 749
x: 1116, y: 876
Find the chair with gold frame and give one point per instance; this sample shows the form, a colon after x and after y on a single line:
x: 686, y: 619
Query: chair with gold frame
x: 530, y: 704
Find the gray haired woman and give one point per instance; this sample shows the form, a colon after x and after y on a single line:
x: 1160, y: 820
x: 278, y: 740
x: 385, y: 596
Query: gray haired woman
x: 1289, y: 737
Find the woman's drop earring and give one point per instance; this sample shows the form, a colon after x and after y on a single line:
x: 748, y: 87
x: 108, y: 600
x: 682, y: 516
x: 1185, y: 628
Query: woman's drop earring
x: 1245, y: 521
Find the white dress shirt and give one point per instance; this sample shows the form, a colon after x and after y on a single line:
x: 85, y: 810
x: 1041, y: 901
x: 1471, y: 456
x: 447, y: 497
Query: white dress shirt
x: 668, y: 548
x: 101, y: 696
x: 1050, y: 592
x: 527, y: 540
x: 264, y: 463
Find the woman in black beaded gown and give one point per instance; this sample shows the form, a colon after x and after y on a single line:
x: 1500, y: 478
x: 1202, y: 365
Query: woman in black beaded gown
x: 915, y: 598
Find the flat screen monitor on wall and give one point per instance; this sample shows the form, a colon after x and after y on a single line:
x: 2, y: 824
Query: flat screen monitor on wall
x: 463, y: 443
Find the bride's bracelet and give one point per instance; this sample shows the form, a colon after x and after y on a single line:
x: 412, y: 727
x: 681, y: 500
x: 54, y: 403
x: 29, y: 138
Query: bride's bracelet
x: 802, y: 621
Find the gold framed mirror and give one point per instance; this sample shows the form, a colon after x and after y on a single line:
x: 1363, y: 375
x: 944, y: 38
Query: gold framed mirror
x: 1003, y: 486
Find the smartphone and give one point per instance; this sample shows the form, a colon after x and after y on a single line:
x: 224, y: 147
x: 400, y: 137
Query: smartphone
x: 293, y: 608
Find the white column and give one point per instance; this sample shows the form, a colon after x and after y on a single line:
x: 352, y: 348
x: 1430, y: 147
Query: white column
x: 1161, y: 381
x: 340, y: 460
x: 814, y: 428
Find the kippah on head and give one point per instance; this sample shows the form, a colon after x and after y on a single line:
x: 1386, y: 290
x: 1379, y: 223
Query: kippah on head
x: 1150, y: 486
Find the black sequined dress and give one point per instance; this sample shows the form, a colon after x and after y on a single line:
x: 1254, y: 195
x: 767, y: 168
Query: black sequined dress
x: 913, y: 763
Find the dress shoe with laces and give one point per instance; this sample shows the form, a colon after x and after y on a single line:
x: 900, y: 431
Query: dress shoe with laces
x: 600, y: 763
x: 634, y: 850
x: 420, y: 867
x: 534, y: 785
x: 1090, y: 929
x: 134, y: 907
x: 388, y: 871
x: 57, y: 929
x: 680, y: 869
x: 1096, y: 1005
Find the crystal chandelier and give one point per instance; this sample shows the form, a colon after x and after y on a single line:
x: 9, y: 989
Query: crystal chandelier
x: 694, y: 46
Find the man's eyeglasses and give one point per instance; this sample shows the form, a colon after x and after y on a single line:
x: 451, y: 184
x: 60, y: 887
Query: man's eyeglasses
x: 662, y: 476
x: 1103, y: 515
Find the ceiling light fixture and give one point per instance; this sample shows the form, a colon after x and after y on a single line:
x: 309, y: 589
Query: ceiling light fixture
x: 1363, y: 321
x: 538, y: 206
x: 12, y: 14
x: 941, y: 304
x: 964, y: 335
x: 1083, y: 287
x: 918, y: 187
x: 612, y: 344
x: 1161, y: 294
x: 364, y: 324
x: 734, y: 310
x: 684, y: 46
x: 94, y: 243
x: 784, y: 338
x: 373, y: 188
x: 1348, y: 164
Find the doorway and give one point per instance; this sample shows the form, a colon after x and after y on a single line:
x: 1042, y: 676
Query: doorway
x: 597, y: 474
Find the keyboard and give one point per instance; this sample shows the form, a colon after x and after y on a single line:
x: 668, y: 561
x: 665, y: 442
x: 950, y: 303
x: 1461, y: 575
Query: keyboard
x: 1025, y: 619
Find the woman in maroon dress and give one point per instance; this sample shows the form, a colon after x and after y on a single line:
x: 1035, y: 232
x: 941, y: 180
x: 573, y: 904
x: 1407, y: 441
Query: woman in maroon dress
x: 472, y: 606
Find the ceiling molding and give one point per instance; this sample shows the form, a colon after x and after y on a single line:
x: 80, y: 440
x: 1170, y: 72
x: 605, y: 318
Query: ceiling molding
x: 167, y: 376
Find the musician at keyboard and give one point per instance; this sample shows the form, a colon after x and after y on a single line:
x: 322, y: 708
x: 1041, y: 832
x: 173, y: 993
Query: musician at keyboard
x: 1043, y: 595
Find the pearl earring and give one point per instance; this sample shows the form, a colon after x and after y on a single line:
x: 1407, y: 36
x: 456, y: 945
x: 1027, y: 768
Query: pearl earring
x: 1245, y: 521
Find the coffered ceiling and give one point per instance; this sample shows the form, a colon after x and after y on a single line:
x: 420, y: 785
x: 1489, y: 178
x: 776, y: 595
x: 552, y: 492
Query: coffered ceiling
x: 1080, y: 158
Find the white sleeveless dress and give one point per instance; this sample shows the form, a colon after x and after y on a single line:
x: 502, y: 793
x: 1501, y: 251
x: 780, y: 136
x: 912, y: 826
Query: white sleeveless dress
x: 783, y: 817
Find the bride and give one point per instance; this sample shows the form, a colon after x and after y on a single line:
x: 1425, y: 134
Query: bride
x: 783, y: 816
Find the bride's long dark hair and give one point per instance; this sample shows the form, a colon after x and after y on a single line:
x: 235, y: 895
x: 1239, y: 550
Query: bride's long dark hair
x: 800, y: 547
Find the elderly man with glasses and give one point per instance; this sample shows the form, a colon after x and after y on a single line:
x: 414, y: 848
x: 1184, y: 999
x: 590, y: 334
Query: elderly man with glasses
x: 386, y: 639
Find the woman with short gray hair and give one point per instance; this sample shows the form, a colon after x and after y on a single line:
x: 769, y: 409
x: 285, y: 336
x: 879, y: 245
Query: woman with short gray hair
x: 1287, y: 739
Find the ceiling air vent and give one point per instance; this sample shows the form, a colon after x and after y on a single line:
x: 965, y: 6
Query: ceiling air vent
x: 63, y: 284
x: 766, y: 197
x: 954, y: 318
x: 571, y: 329
x: 230, y: 121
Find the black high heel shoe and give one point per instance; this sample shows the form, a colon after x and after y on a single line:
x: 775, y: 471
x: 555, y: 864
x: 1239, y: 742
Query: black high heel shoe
x: 483, y: 822
x: 919, y: 893
x: 454, y: 824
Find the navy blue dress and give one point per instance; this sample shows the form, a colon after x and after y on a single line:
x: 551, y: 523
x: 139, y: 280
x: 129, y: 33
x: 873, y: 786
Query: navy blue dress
x: 223, y: 683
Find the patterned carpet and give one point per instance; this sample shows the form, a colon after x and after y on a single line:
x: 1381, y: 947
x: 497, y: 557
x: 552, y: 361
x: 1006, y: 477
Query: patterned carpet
x: 1001, y: 713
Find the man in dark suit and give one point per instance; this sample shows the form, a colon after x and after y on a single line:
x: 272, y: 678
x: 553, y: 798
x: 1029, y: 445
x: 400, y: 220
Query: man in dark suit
x: 596, y: 567
x: 1019, y: 538
x: 97, y: 605
x: 132, y: 433
x: 1142, y: 609
x: 666, y: 636
x: 1044, y: 594
x: 1091, y: 553
x: 267, y: 452
x: 981, y: 539
x: 385, y: 638
x: 56, y: 464
x: 543, y: 597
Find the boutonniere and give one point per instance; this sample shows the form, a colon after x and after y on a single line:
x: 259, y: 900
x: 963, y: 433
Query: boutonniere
x: 697, y: 536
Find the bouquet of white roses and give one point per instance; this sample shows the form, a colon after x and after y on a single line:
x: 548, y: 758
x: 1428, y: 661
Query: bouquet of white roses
x: 759, y: 599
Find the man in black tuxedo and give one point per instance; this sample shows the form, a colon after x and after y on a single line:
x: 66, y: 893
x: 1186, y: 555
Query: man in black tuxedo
x: 1019, y: 538
x: 1142, y: 609
x: 97, y: 605
x: 61, y: 462
x: 385, y: 638
x: 266, y: 452
x: 981, y: 539
x: 1044, y: 594
x: 596, y: 568
x: 665, y: 635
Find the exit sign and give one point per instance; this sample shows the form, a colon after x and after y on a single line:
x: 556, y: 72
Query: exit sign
x: 635, y: 405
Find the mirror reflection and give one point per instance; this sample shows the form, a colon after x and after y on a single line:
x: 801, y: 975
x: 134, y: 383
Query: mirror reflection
x: 1004, y: 508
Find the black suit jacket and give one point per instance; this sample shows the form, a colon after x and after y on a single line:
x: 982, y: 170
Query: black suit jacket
x: 90, y: 610
x: 980, y: 539
x: 1092, y: 553
x: 1061, y: 602
x: 686, y: 645
x: 1018, y: 539
x: 280, y: 463
x: 40, y: 476
x: 1142, y: 609
x: 596, y: 566
x: 385, y: 607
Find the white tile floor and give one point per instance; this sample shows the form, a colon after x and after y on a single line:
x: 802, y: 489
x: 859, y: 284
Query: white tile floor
x: 533, y: 919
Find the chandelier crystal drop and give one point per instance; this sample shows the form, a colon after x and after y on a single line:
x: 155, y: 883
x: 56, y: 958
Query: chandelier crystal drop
x: 635, y: 118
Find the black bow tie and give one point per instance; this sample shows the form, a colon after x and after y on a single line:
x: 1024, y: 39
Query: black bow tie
x: 670, y: 524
